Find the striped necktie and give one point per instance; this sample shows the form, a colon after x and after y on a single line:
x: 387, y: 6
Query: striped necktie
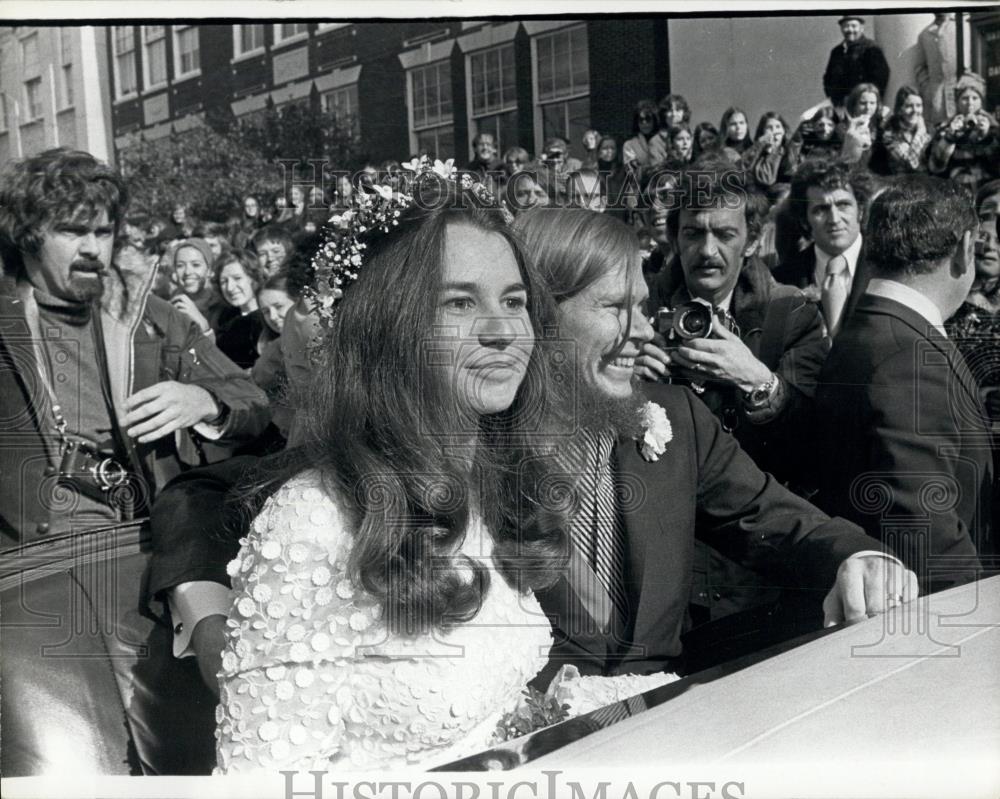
x: 596, y: 529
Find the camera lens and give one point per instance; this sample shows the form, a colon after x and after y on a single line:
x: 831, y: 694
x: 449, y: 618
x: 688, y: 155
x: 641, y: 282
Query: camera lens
x: 694, y: 321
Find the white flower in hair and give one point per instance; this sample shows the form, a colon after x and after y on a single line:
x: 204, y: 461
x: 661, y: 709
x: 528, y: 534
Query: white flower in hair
x: 657, y: 432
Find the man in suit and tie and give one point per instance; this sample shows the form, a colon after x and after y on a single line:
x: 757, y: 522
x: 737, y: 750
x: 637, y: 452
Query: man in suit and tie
x: 622, y: 604
x: 905, y: 448
x: 828, y: 199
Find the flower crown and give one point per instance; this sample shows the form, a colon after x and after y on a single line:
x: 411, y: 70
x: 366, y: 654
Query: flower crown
x: 337, y: 263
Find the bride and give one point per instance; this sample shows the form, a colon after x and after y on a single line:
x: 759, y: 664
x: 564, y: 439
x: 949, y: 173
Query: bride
x: 383, y: 611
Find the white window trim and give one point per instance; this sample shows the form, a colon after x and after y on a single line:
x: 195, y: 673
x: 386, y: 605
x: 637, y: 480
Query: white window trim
x: 146, y: 85
x: 179, y: 76
x: 280, y: 43
x: 27, y: 105
x: 38, y: 55
x: 536, y: 103
x: 237, y: 55
x: 331, y: 26
x: 471, y: 118
x: 410, y: 106
x: 61, y: 92
x: 121, y: 96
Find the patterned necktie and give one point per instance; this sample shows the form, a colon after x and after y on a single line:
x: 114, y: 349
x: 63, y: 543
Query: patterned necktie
x: 596, y: 529
x: 836, y: 286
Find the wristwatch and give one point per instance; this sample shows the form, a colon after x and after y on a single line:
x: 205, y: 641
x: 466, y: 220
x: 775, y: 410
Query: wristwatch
x: 759, y: 395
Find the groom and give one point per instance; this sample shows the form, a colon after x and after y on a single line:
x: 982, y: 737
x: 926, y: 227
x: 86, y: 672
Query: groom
x: 701, y: 481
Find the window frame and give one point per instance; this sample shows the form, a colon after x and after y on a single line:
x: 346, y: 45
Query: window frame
x: 177, y: 31
x: 536, y: 102
x: 411, y: 107
x: 282, y: 41
x: 115, y: 56
x: 473, y: 118
x: 352, y: 90
x: 29, y: 116
x: 238, y: 52
x: 147, y: 84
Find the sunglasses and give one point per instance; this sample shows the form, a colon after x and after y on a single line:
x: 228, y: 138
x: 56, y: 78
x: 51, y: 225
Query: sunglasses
x: 647, y: 117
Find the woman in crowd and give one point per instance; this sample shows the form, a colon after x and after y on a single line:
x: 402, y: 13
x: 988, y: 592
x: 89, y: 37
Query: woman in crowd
x: 274, y: 302
x: 735, y: 129
x: 681, y: 146
x: 400, y: 550
x: 613, y: 173
x: 966, y: 148
x: 905, y: 138
x: 773, y: 157
x: 237, y: 279
x: 975, y: 327
x: 861, y: 129
x: 706, y: 139
x: 591, y: 140
x: 242, y: 227
x: 817, y: 137
x: 635, y: 152
x: 192, y: 261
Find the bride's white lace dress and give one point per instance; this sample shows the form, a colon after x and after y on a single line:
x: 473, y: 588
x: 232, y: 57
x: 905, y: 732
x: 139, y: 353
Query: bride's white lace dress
x: 311, y: 677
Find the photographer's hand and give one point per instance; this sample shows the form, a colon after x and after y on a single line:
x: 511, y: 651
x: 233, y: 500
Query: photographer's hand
x: 652, y: 363
x: 724, y: 358
x: 160, y: 409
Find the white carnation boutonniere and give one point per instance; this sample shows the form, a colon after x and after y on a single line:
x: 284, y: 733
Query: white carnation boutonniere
x: 657, y: 432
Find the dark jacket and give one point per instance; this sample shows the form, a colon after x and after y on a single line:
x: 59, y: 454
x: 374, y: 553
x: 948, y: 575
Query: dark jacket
x: 905, y: 449
x: 147, y: 341
x: 850, y: 64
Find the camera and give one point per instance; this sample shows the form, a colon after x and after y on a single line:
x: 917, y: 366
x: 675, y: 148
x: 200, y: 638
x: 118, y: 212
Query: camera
x: 970, y: 124
x: 89, y: 470
x: 687, y: 321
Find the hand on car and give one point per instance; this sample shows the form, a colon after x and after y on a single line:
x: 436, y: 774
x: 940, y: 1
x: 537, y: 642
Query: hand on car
x: 160, y: 409
x: 866, y: 586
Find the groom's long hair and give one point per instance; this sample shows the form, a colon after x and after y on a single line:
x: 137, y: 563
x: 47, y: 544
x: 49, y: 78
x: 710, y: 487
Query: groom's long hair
x: 392, y: 443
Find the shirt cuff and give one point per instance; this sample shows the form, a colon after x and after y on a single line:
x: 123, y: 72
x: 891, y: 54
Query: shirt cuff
x: 874, y: 553
x: 208, y: 431
x: 191, y: 602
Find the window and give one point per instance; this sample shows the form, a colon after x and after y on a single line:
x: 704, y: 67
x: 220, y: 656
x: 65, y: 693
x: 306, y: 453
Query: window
x: 288, y: 31
x: 29, y: 55
x: 493, y: 95
x: 66, y: 59
x: 562, y: 85
x: 154, y: 51
x: 343, y: 104
x: 187, y: 58
x: 124, y: 48
x: 33, y: 99
x: 249, y: 38
x: 430, y: 93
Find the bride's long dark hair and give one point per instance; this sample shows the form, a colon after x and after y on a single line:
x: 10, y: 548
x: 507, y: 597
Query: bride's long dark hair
x: 392, y: 445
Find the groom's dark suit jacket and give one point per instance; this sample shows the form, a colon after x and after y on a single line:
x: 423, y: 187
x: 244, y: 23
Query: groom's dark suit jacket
x: 905, y: 450
x: 703, y: 484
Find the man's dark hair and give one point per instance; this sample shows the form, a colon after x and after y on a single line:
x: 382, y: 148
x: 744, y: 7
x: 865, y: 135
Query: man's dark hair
x: 714, y: 182
x: 829, y: 175
x: 58, y: 184
x: 479, y: 137
x: 274, y: 233
x: 916, y: 223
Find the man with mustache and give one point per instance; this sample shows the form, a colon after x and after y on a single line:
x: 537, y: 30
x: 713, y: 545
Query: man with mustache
x: 106, y: 378
x: 756, y: 370
x: 702, y: 478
